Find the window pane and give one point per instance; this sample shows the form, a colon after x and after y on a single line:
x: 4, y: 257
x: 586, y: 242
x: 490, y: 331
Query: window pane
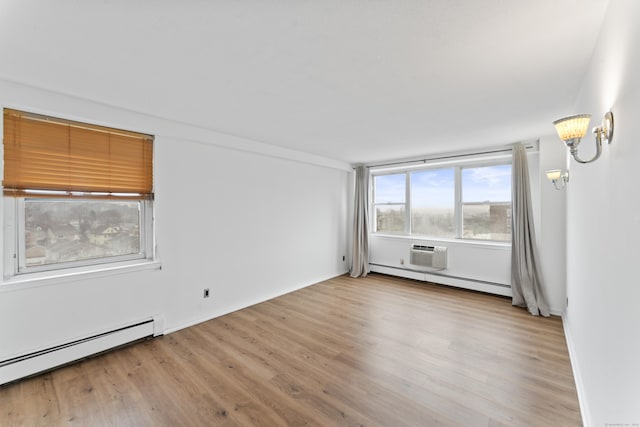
x: 486, y: 202
x: 76, y: 230
x: 389, y: 188
x: 390, y: 219
x: 433, y: 202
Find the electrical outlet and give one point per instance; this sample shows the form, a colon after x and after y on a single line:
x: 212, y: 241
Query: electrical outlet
x: 205, y: 294
x: 343, y: 257
x: 401, y: 262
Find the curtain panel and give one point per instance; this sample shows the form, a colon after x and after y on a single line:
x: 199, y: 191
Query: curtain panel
x: 526, y: 279
x: 360, y: 246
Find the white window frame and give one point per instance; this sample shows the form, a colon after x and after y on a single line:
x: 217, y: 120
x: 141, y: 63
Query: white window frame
x: 405, y: 204
x: 457, y: 165
x: 460, y: 202
x: 14, y: 249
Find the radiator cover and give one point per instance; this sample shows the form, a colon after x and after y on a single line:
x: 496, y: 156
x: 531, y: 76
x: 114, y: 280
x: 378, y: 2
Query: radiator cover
x: 46, y: 359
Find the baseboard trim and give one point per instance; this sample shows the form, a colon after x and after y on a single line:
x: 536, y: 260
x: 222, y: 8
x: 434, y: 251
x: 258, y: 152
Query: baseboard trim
x: 44, y: 360
x: 458, y: 282
x: 582, y: 398
x: 249, y: 304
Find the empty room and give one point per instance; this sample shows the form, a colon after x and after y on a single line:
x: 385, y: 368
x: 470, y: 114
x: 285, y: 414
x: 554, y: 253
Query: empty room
x: 286, y: 213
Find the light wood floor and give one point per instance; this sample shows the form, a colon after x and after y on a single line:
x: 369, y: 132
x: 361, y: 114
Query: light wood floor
x: 378, y: 351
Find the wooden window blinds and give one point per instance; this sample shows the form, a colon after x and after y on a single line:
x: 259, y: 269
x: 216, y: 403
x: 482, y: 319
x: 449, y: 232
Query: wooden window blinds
x: 61, y: 158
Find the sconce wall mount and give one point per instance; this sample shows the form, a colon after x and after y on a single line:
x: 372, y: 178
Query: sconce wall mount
x: 572, y: 129
x: 558, y: 178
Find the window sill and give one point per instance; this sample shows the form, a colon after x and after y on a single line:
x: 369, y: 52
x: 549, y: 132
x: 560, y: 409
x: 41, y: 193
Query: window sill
x: 444, y: 240
x: 32, y: 280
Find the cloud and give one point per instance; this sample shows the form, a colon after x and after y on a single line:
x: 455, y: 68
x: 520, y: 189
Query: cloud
x: 491, y: 175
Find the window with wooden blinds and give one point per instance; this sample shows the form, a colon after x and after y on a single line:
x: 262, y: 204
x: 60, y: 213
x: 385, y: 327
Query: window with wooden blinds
x: 45, y: 156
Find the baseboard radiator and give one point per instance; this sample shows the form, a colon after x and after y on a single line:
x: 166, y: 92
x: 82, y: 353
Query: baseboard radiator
x: 47, y: 359
x: 443, y: 279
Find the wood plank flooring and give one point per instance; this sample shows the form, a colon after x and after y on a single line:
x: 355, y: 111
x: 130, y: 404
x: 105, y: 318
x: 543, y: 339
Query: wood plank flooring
x: 375, y: 351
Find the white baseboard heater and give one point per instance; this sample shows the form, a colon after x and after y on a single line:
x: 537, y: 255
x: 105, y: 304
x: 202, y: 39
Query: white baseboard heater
x: 429, y: 256
x: 46, y: 359
x: 444, y: 279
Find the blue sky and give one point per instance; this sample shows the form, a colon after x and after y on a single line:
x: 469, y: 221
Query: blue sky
x: 390, y: 188
x: 435, y: 188
x: 489, y: 183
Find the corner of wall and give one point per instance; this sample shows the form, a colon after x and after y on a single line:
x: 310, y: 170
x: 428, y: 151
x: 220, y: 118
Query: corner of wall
x: 582, y: 396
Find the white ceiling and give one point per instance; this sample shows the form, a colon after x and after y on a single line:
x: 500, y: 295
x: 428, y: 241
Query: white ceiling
x: 352, y: 80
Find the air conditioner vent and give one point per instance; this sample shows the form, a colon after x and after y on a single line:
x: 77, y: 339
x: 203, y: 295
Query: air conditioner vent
x: 429, y: 256
x: 422, y: 248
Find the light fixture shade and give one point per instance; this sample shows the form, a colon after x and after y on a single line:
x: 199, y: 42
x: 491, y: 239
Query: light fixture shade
x: 554, y: 175
x: 572, y: 127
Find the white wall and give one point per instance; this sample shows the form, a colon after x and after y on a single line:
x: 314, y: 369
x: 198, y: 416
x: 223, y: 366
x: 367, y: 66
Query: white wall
x: 247, y: 220
x: 551, y: 229
x: 477, y: 266
x: 258, y: 227
x: 603, y: 231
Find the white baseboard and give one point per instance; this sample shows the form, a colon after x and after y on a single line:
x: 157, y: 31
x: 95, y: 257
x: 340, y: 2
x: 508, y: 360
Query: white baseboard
x: 458, y: 282
x: 582, y: 398
x: 46, y: 359
x: 556, y: 311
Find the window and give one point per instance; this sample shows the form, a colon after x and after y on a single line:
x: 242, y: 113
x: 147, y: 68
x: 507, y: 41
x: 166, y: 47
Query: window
x: 75, y: 194
x: 486, y: 202
x: 433, y: 200
x: 467, y: 200
x: 389, y: 202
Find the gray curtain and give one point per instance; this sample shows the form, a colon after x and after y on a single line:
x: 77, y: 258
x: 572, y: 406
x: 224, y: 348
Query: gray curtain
x: 526, y: 280
x: 360, y: 246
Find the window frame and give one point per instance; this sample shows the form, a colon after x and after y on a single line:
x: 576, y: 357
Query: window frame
x: 15, y: 244
x: 457, y: 166
x: 460, y: 201
x: 15, y: 272
x: 407, y: 213
x: 455, y: 200
x: 145, y: 224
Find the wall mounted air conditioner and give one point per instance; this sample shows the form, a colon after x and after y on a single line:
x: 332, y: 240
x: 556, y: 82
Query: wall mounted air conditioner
x: 429, y: 256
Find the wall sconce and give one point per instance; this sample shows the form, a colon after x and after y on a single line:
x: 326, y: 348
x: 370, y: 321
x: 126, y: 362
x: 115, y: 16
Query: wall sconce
x: 573, y: 128
x: 557, y: 176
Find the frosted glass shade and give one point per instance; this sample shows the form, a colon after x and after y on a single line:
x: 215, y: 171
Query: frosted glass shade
x: 554, y: 175
x: 572, y: 127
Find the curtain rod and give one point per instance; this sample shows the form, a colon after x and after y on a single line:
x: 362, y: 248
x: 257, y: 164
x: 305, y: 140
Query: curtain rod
x: 452, y: 156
